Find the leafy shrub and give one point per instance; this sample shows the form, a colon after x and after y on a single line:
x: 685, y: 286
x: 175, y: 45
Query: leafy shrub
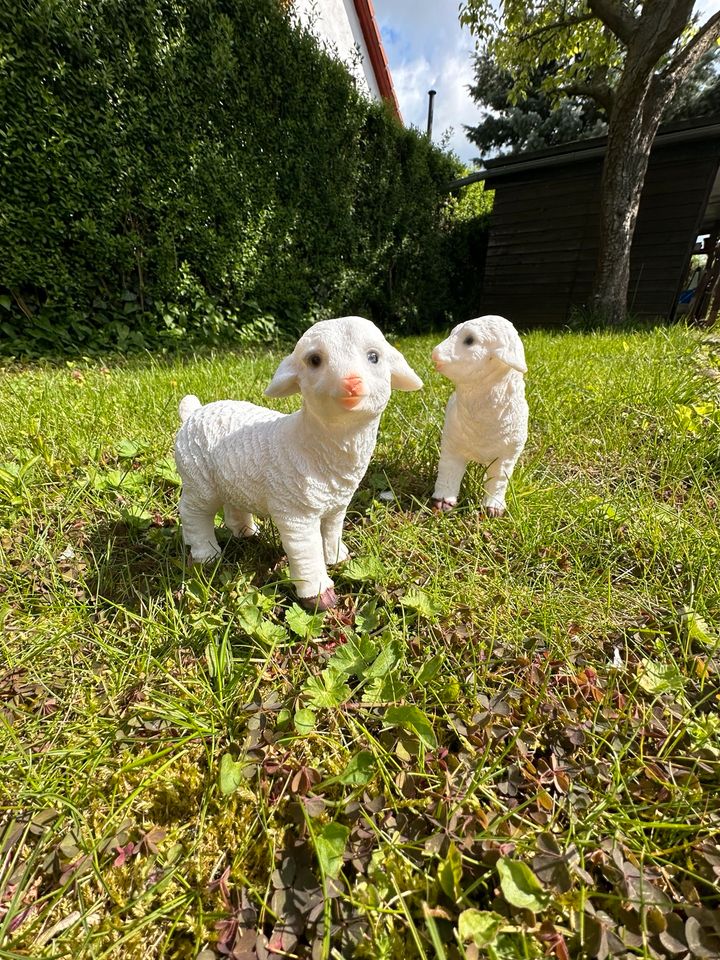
x: 465, y: 250
x: 193, y: 169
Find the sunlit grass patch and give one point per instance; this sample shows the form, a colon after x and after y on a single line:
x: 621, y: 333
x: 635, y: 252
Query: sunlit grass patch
x: 505, y: 739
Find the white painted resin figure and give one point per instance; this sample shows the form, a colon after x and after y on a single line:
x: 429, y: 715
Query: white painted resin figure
x: 300, y: 469
x: 486, y: 419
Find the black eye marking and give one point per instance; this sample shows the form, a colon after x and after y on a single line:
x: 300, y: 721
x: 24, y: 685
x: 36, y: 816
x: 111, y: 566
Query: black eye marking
x: 314, y: 360
x: 469, y: 341
x: 373, y: 356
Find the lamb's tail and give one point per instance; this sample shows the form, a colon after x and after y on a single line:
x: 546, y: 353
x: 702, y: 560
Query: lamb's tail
x: 188, y: 405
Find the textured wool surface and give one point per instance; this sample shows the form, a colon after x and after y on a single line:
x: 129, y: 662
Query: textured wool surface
x: 300, y: 469
x: 486, y: 418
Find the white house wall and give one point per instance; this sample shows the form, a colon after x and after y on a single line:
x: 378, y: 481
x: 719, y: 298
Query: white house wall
x: 336, y: 23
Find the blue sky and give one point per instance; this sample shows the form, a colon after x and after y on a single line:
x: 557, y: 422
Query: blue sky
x: 427, y: 48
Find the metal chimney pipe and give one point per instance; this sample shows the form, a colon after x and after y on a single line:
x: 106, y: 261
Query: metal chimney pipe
x: 431, y: 97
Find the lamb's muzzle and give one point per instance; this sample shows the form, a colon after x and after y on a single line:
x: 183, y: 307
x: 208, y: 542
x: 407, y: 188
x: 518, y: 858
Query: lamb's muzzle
x: 300, y: 469
x: 353, y: 391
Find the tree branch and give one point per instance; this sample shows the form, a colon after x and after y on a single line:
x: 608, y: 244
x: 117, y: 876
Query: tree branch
x: 686, y: 59
x: 660, y: 26
x: 615, y: 16
x: 559, y: 24
x: 601, y: 93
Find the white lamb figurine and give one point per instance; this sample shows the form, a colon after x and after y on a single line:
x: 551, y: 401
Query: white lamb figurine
x: 300, y: 469
x: 486, y: 419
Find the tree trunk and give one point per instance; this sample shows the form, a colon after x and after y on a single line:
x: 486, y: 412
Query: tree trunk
x: 640, y: 98
x: 633, y: 124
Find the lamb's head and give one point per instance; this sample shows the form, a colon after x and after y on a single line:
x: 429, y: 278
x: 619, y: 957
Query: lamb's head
x: 478, y: 347
x: 343, y: 367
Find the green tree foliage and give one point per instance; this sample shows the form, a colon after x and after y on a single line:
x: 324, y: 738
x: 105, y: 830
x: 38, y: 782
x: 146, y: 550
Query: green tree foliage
x: 200, y: 168
x: 630, y: 57
x: 465, y: 246
x: 541, y: 120
x: 535, y: 121
x: 700, y: 96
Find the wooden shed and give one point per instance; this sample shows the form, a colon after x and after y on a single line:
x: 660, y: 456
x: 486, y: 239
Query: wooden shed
x: 543, y: 242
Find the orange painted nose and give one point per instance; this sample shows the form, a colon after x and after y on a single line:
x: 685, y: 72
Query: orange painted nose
x: 353, y: 386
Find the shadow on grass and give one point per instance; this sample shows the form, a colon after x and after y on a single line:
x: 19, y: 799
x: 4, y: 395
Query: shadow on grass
x: 133, y: 567
x: 410, y: 481
x: 585, y: 320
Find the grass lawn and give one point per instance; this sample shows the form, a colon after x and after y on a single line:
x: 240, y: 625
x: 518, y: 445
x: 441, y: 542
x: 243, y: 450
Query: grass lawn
x: 504, y: 742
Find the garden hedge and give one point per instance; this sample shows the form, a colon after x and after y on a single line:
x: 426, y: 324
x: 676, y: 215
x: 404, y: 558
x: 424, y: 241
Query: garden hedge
x: 196, y: 169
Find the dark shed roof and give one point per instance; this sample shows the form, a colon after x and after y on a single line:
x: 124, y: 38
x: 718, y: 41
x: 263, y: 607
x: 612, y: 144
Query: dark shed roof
x: 543, y: 243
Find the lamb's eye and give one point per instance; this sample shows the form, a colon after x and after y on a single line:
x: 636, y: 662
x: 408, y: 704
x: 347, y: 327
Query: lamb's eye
x: 314, y: 360
x: 469, y: 341
x: 373, y: 356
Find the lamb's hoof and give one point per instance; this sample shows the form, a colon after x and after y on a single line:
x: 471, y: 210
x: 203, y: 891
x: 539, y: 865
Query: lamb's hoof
x: 243, y: 530
x: 323, y: 601
x: 199, y: 558
x: 244, y: 533
x: 442, y: 506
x: 492, y: 511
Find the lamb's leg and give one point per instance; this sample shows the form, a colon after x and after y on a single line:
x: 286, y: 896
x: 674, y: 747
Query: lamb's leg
x: 497, y: 477
x: 198, y: 527
x: 451, y: 470
x: 333, y: 547
x: 303, y: 543
x: 239, y: 522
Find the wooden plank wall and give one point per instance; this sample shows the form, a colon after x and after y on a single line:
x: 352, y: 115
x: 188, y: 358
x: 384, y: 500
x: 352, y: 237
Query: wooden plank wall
x: 543, y: 241
x: 675, y: 195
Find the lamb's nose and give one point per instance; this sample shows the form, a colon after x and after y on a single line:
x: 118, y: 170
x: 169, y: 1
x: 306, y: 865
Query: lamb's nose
x: 352, y: 385
x: 434, y: 355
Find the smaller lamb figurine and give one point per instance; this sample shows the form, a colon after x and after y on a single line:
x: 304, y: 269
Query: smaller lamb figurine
x: 486, y: 419
x: 300, y: 469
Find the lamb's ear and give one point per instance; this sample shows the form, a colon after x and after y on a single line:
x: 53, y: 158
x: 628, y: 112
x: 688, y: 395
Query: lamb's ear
x: 285, y: 382
x: 512, y: 355
x: 403, y: 376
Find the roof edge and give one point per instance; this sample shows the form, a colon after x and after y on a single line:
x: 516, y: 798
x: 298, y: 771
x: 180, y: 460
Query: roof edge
x: 575, y: 151
x: 376, y: 51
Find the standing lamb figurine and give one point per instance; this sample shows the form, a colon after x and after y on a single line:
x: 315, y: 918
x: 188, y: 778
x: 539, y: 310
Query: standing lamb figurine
x: 486, y: 419
x: 300, y: 469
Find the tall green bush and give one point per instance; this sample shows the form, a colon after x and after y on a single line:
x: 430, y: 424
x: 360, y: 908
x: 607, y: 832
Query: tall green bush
x: 194, y: 168
x: 467, y: 217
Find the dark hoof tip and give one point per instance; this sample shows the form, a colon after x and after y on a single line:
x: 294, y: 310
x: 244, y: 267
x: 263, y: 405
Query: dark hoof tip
x: 323, y: 601
x: 441, y: 506
x: 492, y: 512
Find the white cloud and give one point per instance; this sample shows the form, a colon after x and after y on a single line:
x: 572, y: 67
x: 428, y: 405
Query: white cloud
x: 452, y: 105
x: 428, y: 49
